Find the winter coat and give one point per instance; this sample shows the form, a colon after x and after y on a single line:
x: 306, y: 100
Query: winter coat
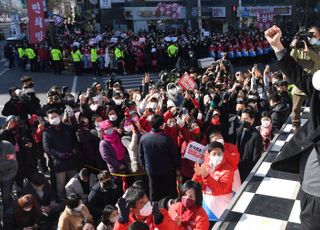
x: 279, y: 115
x: 60, y: 143
x: 198, y: 221
x: 74, y: 186
x: 8, y: 162
x: 166, y: 224
x: 308, y: 135
x: 72, y: 220
x: 108, y: 155
x: 158, y: 153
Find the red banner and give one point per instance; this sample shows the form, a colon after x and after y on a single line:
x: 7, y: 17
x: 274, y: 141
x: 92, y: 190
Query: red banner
x: 186, y: 82
x: 37, y: 30
x: 265, y: 20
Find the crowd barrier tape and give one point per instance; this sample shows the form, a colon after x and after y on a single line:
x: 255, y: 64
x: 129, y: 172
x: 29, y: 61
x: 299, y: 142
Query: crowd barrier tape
x: 117, y: 174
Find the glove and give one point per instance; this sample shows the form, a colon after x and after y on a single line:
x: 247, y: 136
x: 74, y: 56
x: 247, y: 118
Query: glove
x: 180, y: 122
x: 157, y: 215
x: 200, y: 116
x: 124, y: 210
x: 69, y: 111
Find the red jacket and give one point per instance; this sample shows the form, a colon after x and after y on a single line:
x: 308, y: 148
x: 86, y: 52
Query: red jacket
x: 167, y: 223
x: 231, y: 155
x: 198, y: 221
x: 219, y: 180
x: 145, y: 124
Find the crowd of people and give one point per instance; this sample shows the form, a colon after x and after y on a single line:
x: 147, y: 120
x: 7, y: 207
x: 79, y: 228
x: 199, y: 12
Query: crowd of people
x: 107, y: 130
x: 116, y: 158
x: 147, y: 51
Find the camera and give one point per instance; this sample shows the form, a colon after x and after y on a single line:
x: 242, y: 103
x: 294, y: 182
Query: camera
x: 302, y: 36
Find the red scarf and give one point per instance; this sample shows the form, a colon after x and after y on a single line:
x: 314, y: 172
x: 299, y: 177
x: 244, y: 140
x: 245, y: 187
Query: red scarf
x: 185, y: 214
x: 265, y: 132
x: 116, y: 144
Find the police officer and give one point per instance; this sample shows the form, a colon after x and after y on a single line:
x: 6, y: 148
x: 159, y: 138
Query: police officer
x: 22, y: 57
x: 32, y: 58
x: 76, y: 59
x: 94, y: 58
x: 56, y: 57
x: 172, y: 51
x: 119, y: 55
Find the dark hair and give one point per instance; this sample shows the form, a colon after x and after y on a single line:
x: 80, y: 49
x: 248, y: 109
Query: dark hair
x: 38, y: 179
x: 138, y: 225
x: 134, y: 194
x: 265, y: 114
x: 197, y: 189
x: 156, y: 121
x: 54, y: 110
x: 72, y: 201
x: 215, y: 132
x: 274, y: 97
x: 106, y: 214
x: 215, y: 144
x: 249, y: 111
x: 103, y: 175
x: 139, y: 184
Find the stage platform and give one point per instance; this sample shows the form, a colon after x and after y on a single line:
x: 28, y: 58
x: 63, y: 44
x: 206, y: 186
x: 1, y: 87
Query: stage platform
x: 268, y: 199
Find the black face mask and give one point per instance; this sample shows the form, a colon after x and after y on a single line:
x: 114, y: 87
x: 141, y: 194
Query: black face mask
x: 245, y: 124
x: 239, y: 112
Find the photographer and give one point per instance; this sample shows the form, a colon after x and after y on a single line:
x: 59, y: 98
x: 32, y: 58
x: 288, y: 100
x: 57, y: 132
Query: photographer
x: 301, y: 154
x: 309, y: 59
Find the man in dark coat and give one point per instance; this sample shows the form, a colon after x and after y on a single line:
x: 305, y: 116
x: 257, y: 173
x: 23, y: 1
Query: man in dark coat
x: 159, y: 157
x: 301, y: 154
x: 249, y: 142
x: 61, y: 145
x: 279, y: 111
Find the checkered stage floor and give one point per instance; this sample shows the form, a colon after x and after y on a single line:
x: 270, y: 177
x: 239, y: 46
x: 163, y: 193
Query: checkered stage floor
x: 271, y: 199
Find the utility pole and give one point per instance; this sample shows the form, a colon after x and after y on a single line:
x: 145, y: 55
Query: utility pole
x: 199, y: 17
x: 240, y: 14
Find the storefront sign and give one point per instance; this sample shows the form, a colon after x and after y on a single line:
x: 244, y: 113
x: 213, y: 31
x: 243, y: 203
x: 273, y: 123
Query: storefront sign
x: 105, y: 4
x: 37, y: 30
x: 251, y: 11
x: 265, y: 20
x: 218, y: 12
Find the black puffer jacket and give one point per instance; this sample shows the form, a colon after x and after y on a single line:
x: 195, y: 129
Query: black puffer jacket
x: 279, y: 115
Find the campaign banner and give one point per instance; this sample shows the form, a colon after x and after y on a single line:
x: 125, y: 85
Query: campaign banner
x: 186, y: 82
x: 36, y: 25
x: 170, y: 10
x: 195, y: 152
x: 264, y: 20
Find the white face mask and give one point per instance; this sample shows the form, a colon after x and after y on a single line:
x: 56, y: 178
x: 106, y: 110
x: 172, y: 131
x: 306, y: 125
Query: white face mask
x: 55, y: 121
x: 113, y: 219
x: 215, y: 160
x: 173, y: 91
x: 316, y: 80
x: 149, y: 118
x: 113, y: 117
x: 265, y: 123
x: 94, y: 107
x: 128, y: 128
x: 146, y: 210
x: 138, y: 97
x: 153, y: 105
x: 78, y: 208
x: 109, y: 131
x: 220, y: 141
x: 117, y: 101
x: 27, y: 209
x: 312, y: 41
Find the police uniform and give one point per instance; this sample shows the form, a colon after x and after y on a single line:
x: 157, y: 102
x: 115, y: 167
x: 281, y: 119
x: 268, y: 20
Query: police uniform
x: 76, y: 59
x: 56, y: 57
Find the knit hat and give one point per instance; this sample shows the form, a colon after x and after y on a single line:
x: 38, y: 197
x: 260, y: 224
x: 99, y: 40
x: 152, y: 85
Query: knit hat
x: 105, y: 124
x: 8, y: 161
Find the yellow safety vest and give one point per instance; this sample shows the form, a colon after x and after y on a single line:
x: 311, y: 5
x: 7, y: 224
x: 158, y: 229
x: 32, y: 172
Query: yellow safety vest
x: 172, y: 51
x: 30, y: 53
x: 94, y: 55
x: 76, y: 56
x: 56, y: 55
x: 118, y: 53
x: 21, y: 52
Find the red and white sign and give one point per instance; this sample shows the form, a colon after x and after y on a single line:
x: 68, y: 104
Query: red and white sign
x: 186, y: 82
x: 195, y: 152
x: 37, y: 30
x: 264, y: 20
